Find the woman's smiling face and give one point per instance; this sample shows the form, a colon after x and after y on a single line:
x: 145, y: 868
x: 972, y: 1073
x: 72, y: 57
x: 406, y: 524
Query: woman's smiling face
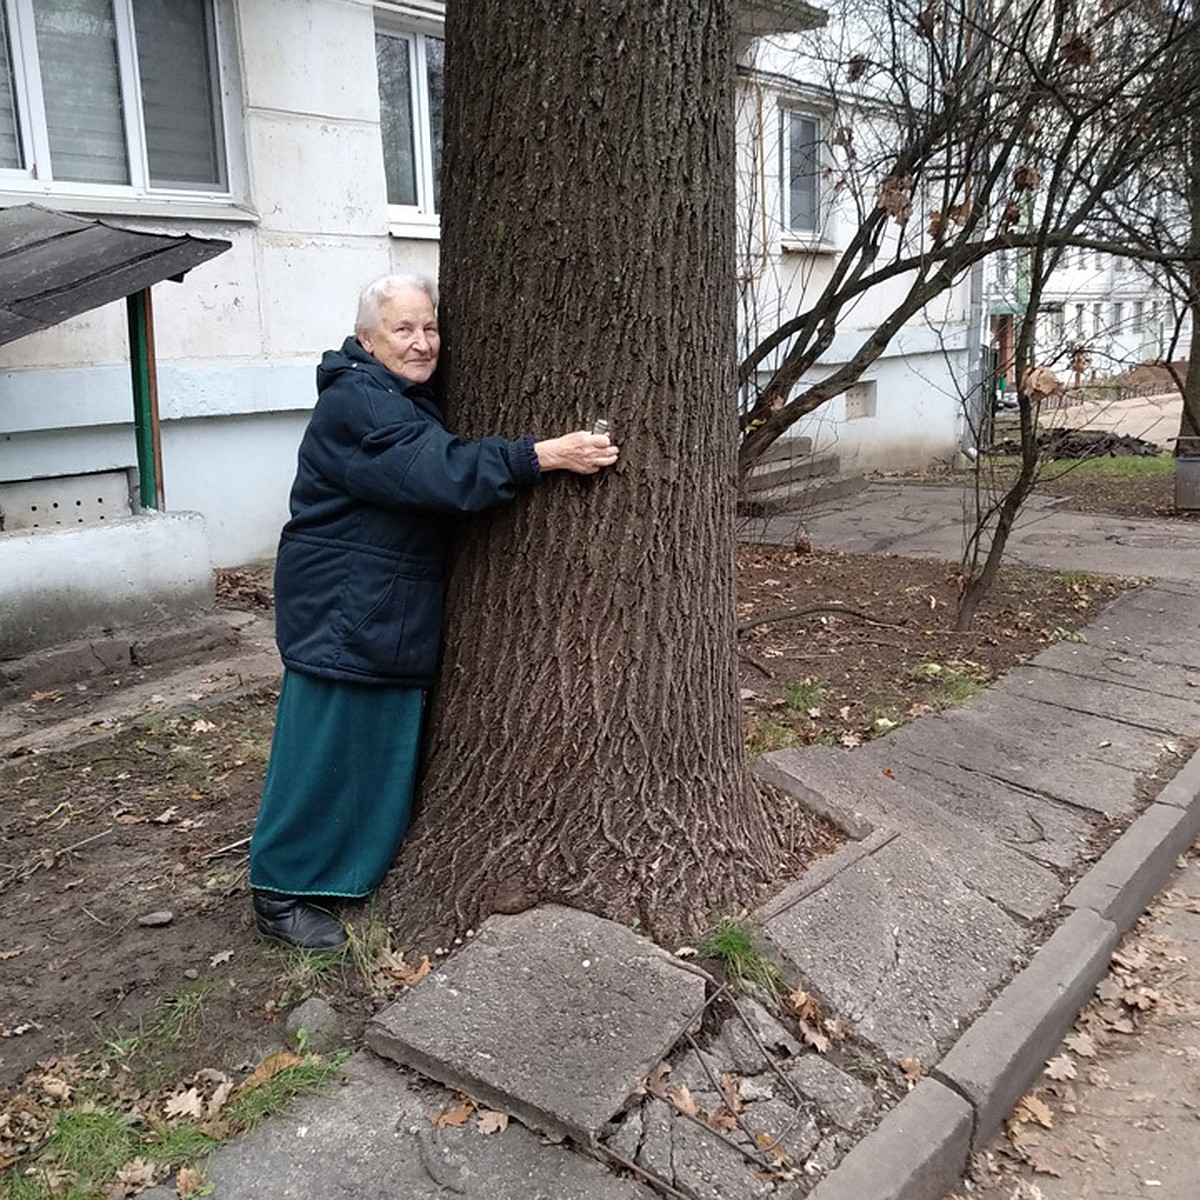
x: 405, y: 338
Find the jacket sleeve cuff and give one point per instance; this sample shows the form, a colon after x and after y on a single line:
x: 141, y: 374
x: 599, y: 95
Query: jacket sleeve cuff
x: 525, y: 461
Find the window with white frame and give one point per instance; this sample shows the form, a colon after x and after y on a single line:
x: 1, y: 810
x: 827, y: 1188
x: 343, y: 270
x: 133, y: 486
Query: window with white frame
x: 104, y: 95
x: 411, y: 95
x: 800, y: 172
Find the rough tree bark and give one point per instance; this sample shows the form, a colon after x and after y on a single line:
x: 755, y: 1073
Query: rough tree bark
x: 586, y: 742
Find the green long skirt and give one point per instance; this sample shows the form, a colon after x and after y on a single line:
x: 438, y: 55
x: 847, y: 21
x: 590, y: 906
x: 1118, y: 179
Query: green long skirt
x: 338, y: 794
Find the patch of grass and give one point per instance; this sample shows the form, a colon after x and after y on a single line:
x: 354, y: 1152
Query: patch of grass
x: 766, y: 735
x: 247, y: 1110
x: 304, y: 973
x: 92, y: 1142
x: 1115, y: 467
x: 802, y: 694
x: 1082, y: 579
x: 733, y: 943
x: 185, y: 1011
x: 179, y: 1147
x: 951, y: 684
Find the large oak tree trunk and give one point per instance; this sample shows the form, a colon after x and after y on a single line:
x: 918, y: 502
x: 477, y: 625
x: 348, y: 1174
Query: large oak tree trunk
x: 586, y: 741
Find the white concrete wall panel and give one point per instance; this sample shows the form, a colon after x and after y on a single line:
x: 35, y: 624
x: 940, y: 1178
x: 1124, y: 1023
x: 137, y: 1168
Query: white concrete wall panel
x: 66, y: 582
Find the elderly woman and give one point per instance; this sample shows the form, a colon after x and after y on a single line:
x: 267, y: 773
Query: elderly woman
x: 359, y: 584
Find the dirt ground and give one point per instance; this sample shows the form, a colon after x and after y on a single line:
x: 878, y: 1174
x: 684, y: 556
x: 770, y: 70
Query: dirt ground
x: 127, y: 946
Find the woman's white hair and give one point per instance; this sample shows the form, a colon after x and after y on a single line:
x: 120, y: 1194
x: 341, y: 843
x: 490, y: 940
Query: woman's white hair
x: 374, y: 294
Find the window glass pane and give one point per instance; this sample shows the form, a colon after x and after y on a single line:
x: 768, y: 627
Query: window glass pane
x: 180, y: 104
x: 10, y: 142
x: 77, y: 45
x: 801, y: 190
x: 435, y: 57
x: 393, y: 55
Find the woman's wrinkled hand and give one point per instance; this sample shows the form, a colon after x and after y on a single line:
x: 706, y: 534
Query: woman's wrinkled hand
x: 582, y: 452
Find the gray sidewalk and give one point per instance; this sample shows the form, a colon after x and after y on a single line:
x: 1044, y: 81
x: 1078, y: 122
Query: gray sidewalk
x: 959, y: 931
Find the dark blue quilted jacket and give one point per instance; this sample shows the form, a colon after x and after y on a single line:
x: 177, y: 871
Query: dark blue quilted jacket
x: 360, y: 575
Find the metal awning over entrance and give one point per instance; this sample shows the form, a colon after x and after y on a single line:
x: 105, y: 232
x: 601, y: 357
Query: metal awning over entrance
x: 54, y: 266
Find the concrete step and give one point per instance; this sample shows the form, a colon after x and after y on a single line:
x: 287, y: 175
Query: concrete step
x: 790, y: 470
x: 799, y: 494
x: 787, y: 447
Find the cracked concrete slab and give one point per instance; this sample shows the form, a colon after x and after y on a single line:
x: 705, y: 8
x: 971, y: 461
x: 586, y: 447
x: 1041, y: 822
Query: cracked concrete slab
x: 372, y: 1139
x: 1030, y: 824
x: 1079, y: 759
x: 900, y: 946
x: 589, y: 1007
x: 1155, y: 711
x: 864, y: 783
x: 1127, y: 667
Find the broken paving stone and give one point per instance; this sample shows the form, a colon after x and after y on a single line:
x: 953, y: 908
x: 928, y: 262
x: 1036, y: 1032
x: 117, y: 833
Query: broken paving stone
x: 154, y: 919
x: 710, y: 1169
x: 746, y: 1036
x: 825, y: 1157
x: 552, y: 1015
x: 844, y: 1098
x: 625, y: 1136
x: 689, y: 1072
x: 761, y: 1087
x: 795, y: 1128
x: 655, y: 1153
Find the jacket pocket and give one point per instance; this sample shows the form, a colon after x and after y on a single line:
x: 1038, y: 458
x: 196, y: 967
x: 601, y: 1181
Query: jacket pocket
x: 392, y: 622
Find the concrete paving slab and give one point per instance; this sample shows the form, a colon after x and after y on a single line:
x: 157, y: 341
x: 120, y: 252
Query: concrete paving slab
x: 1159, y: 712
x: 1131, y: 872
x: 1034, y: 825
x: 1154, y: 622
x: 863, y: 781
x: 996, y: 1060
x: 588, y: 1008
x: 1078, y: 759
x: 371, y: 1139
x: 928, y: 522
x: 899, y: 946
x: 1107, y: 664
x: 918, y: 1151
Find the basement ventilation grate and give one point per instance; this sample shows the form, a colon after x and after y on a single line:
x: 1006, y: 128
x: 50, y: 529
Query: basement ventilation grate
x: 64, y: 500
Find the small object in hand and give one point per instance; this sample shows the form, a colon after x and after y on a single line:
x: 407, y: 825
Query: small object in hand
x: 600, y: 425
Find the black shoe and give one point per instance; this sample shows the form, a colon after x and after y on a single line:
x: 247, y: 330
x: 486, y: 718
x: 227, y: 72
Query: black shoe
x: 291, y: 921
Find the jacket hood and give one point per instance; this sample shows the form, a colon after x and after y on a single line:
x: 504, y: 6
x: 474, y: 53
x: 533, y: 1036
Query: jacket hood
x: 351, y: 357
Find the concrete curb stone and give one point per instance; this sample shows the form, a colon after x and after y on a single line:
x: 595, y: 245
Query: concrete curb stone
x: 917, y: 1152
x: 1002, y: 1053
x: 1127, y: 878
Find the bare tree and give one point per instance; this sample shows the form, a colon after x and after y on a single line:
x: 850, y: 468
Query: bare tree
x: 991, y: 126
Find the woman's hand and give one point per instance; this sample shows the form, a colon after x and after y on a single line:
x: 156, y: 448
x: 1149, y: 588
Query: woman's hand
x: 582, y: 452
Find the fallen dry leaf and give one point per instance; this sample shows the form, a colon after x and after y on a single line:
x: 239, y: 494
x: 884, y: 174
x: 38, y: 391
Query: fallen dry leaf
x: 220, y: 958
x: 187, y: 1182
x: 1082, y: 1044
x: 655, y: 1082
x: 813, y: 1036
x: 137, y: 1173
x: 270, y: 1067
x: 778, y: 1151
x: 185, y: 1104
x: 5, y: 955
x: 1033, y: 1108
x: 453, y: 1118
x: 491, y: 1121
x: 683, y: 1100
x: 912, y: 1069
x: 731, y: 1092
x: 1061, y: 1067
